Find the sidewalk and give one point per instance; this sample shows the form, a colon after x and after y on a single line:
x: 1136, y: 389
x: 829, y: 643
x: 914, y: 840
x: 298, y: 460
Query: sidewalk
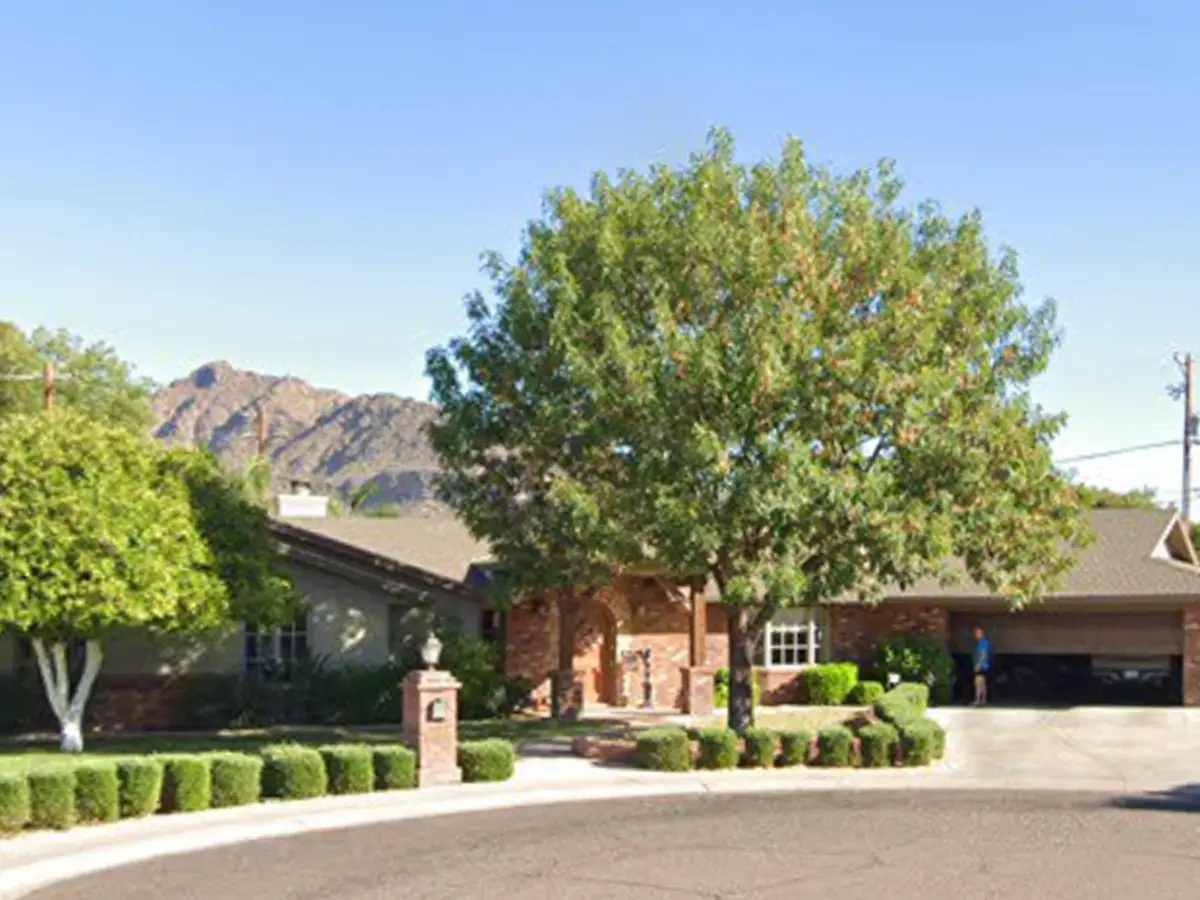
x: 32, y: 861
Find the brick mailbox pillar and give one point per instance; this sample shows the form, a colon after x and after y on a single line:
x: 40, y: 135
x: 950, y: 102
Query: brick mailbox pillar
x: 698, y: 690
x: 431, y: 726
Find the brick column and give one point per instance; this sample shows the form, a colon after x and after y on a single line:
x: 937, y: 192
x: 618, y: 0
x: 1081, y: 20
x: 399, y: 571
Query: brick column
x: 1191, y: 656
x: 431, y: 726
x: 698, y: 690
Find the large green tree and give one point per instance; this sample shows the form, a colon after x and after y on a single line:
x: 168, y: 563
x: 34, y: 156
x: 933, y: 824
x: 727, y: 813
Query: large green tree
x: 779, y: 378
x: 101, y: 530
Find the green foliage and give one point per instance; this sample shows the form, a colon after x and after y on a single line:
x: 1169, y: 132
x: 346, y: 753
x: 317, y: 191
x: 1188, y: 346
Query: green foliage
x: 918, y: 659
x: 761, y: 746
x: 350, y: 767
x: 490, y: 760
x: 878, y: 745
x: 14, y: 802
x: 664, y: 750
x: 721, y: 689
x: 52, y: 798
x: 1092, y: 497
x: 292, y: 772
x: 395, y: 767
x: 835, y: 746
x: 718, y: 748
x: 187, y: 783
x: 236, y: 779
x: 140, y: 786
x: 903, y: 703
x: 939, y: 739
x: 97, y: 792
x: 919, y: 741
x: 829, y: 684
x: 865, y: 693
x: 795, y: 747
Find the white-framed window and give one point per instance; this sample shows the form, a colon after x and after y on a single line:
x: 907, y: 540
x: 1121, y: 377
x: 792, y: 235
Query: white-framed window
x: 276, y: 652
x: 793, y: 638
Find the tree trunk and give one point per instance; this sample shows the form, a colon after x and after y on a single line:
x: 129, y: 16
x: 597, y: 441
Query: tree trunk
x: 741, y: 670
x: 56, y: 680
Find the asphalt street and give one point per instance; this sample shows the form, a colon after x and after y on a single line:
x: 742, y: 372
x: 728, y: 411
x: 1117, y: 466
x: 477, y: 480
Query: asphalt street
x: 868, y: 845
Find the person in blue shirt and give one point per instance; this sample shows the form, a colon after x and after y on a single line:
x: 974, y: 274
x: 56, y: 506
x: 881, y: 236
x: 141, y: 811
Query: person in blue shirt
x: 981, y: 661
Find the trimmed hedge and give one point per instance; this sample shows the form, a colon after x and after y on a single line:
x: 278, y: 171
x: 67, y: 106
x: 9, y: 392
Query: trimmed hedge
x: 794, y: 747
x: 903, y: 703
x: 718, y: 748
x: 490, y: 760
x: 350, y: 768
x: 878, y: 745
x: 236, y: 779
x: 187, y: 784
x: 865, y: 693
x: 14, y: 802
x: 939, y: 739
x: 835, y: 745
x: 829, y: 684
x: 139, y: 786
x: 918, y: 740
x: 760, y: 748
x: 52, y: 798
x: 97, y: 792
x: 664, y: 750
x: 395, y: 767
x: 292, y: 772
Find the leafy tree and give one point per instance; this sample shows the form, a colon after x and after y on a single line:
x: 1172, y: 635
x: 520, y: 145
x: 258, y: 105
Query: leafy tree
x: 1092, y: 497
x: 90, y: 377
x: 776, y: 377
x: 100, y: 530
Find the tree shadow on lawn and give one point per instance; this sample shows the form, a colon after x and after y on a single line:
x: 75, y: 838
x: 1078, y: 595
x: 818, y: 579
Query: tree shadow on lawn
x: 1181, y: 798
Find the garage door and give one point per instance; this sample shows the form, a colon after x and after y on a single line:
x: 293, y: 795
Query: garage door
x: 1150, y: 634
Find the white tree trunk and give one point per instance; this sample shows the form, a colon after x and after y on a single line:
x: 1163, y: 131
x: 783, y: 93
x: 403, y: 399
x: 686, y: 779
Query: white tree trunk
x: 56, y: 679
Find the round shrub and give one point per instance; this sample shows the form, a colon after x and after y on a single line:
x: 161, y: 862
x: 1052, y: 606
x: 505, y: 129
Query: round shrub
x: 835, y: 746
x: 920, y: 660
x: 829, y: 684
x: 760, y: 748
x: 865, y: 693
x: 350, y: 768
x: 939, y: 739
x: 903, y: 703
x: 794, y: 747
x: 718, y: 748
x: 236, y: 779
x: 878, y: 742
x: 139, y: 786
x: 187, y: 784
x: 490, y: 760
x: 97, y: 792
x: 14, y: 802
x: 52, y: 798
x: 291, y: 772
x: 918, y: 741
x: 664, y: 750
x: 395, y: 767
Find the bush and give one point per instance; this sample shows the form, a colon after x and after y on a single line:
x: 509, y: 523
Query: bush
x: 918, y: 739
x: 829, y: 684
x: 664, y: 750
x: 903, y: 703
x: 350, y: 768
x: 292, y: 772
x: 865, y: 693
x: 761, y: 745
x: 794, y: 747
x: 187, y: 784
x: 718, y: 748
x: 721, y: 689
x: 918, y: 660
x: 939, y: 739
x: 14, y: 802
x: 490, y: 760
x: 395, y: 767
x: 878, y: 745
x: 52, y: 798
x: 835, y: 746
x: 97, y: 792
x: 236, y: 779
x: 140, y: 782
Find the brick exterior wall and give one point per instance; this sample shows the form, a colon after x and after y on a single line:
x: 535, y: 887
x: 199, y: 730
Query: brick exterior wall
x: 1191, y: 656
x: 856, y: 631
x: 779, y: 686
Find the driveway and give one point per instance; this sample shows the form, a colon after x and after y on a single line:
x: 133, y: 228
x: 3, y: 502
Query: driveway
x: 1153, y: 748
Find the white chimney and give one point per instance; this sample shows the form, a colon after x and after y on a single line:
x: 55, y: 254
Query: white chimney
x: 301, y: 503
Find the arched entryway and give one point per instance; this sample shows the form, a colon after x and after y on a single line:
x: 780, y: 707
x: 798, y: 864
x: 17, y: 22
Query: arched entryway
x: 603, y: 633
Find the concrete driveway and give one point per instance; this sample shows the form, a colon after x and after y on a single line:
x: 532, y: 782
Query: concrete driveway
x: 1145, y: 748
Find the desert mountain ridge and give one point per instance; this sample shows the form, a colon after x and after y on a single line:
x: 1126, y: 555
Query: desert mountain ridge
x: 333, y: 440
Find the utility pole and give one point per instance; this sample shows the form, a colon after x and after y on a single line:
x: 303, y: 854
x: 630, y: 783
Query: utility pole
x: 1188, y: 392
x: 48, y: 386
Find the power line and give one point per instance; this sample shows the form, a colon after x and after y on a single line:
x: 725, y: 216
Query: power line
x: 1117, y: 452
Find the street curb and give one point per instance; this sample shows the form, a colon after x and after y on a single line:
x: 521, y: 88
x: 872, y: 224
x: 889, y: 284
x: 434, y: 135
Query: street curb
x: 305, y: 817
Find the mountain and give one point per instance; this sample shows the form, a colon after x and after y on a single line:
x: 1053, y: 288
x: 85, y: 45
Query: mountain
x: 333, y: 440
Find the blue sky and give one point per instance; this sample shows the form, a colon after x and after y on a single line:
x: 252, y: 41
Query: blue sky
x: 305, y: 188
